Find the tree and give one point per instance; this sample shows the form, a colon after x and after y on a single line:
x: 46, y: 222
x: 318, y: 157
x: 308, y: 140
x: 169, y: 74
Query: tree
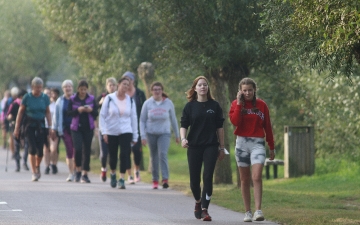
x: 26, y: 47
x: 222, y: 37
x: 324, y: 34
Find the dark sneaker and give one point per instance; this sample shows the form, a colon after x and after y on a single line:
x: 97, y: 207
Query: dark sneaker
x: 17, y: 167
x: 85, y: 179
x: 121, y: 183
x: 77, y: 176
x: 25, y: 167
x: 197, y: 211
x: 165, y: 184
x: 47, y: 170
x: 103, y: 176
x: 54, y: 169
x: 205, y: 215
x: 113, y: 180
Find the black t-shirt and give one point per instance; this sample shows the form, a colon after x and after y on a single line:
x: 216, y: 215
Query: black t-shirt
x: 204, y: 118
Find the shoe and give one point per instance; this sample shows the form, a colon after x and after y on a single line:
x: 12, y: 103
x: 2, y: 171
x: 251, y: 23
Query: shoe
x: 38, y: 173
x: 131, y: 180
x: 155, y: 184
x: 165, y: 183
x: 248, y: 216
x: 112, y: 180
x: 17, y: 167
x: 103, y: 175
x: 121, y: 183
x: 85, y: 179
x: 34, y: 177
x: 47, y: 170
x: 25, y: 167
x: 205, y: 215
x: 197, y: 211
x: 70, y: 178
x: 77, y: 176
x: 137, y: 176
x: 54, y: 169
x: 258, y: 216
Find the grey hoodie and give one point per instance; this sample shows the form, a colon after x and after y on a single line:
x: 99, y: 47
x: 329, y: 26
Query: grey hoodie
x: 156, y: 119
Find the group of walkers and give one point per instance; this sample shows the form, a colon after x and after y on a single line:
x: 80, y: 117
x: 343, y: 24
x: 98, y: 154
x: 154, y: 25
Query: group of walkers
x: 127, y: 121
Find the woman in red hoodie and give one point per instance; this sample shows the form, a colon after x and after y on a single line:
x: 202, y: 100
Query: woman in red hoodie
x: 251, y: 117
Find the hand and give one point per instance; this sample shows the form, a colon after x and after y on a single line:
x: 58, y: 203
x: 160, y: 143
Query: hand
x: 184, y: 143
x: 81, y: 109
x: 221, y: 155
x: 144, y: 142
x: 105, y: 137
x: 133, y: 143
x: 177, y: 140
x: 238, y: 97
x: 272, y: 154
x: 16, y: 133
x: 88, y: 109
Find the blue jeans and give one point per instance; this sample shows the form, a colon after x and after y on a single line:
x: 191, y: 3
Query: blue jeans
x: 159, y: 147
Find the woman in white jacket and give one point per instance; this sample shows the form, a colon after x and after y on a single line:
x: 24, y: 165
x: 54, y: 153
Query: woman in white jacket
x: 119, y: 127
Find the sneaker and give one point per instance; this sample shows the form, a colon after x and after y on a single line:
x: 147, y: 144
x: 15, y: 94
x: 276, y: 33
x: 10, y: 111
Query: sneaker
x: 38, y: 173
x: 137, y: 176
x: 155, y: 184
x: 165, y: 184
x: 70, y: 178
x: 47, y: 170
x: 248, y: 216
x: 17, y: 167
x: 205, y: 215
x: 25, y: 167
x: 258, y: 216
x: 77, y: 176
x: 103, y: 175
x: 121, y: 183
x: 85, y: 179
x: 34, y: 177
x: 54, y: 169
x: 197, y: 211
x: 131, y: 180
x: 112, y: 180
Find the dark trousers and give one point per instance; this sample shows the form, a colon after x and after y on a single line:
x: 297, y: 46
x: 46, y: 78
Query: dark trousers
x: 137, y: 152
x: 82, y: 144
x: 197, y: 156
x: 124, y: 141
x: 36, y: 139
x: 103, y: 151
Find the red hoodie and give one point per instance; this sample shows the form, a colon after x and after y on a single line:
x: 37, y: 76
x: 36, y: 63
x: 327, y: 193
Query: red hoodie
x: 252, y: 124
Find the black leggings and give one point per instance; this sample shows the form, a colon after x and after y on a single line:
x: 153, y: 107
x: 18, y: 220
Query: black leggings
x: 137, y: 151
x: 123, y: 141
x: 82, y: 144
x: 196, y: 157
x: 36, y: 140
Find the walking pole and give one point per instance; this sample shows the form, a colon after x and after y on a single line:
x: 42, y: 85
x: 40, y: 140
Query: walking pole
x: 7, y: 159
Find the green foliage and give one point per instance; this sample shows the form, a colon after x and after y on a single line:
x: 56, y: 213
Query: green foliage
x: 106, y: 37
x: 322, y: 33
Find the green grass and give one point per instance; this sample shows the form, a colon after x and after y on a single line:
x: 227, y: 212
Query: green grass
x: 331, y: 196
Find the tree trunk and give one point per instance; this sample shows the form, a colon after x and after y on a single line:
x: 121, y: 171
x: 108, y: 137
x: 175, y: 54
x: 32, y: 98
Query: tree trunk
x: 223, y: 173
x: 146, y: 73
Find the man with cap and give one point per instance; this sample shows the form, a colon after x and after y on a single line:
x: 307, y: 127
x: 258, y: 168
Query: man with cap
x: 139, y: 98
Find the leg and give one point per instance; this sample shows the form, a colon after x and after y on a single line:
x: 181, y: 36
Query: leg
x: 137, y: 152
x: 257, y: 180
x: 152, y: 140
x: 69, y: 150
x: 210, y: 156
x: 245, y: 186
x: 163, y: 144
x: 77, y: 142
x: 195, y: 161
x: 125, y: 148
x: 113, y: 148
x: 103, y: 151
x: 87, y: 140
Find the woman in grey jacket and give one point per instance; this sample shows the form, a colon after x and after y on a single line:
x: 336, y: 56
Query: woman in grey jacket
x: 157, y: 115
x: 118, y: 125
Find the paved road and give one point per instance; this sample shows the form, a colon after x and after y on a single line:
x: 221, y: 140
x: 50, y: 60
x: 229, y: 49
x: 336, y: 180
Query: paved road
x: 54, y: 201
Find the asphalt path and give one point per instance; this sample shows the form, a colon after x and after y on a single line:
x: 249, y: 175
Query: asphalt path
x: 52, y: 200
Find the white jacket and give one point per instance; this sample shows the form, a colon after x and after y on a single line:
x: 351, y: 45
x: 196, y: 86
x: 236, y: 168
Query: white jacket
x: 112, y: 123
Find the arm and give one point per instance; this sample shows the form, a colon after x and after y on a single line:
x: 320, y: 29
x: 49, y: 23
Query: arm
x: 134, y: 122
x: 94, y: 111
x: 70, y: 111
x: 220, y: 134
x: 184, y: 141
x: 104, y: 111
x: 235, y: 113
x: 268, y: 132
x: 143, y: 119
x: 174, y: 123
x: 18, y: 120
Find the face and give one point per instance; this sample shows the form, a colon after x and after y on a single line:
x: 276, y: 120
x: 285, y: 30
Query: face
x: 82, y: 90
x: 37, y: 89
x: 47, y: 92
x: 110, y: 87
x: 123, y: 86
x: 53, y: 95
x: 157, y: 92
x: 248, y: 91
x: 67, y: 89
x: 202, y: 87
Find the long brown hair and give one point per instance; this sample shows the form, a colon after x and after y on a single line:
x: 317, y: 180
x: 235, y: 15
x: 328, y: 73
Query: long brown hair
x: 248, y: 81
x: 158, y: 84
x: 191, y: 94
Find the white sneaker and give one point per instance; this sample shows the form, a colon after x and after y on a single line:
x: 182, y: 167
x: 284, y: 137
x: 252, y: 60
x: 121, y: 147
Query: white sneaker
x: 258, y: 216
x: 70, y: 178
x: 248, y: 216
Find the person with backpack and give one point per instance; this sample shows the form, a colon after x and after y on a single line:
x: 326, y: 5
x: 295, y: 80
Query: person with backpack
x: 35, y: 106
x: 110, y: 88
x: 83, y: 110
x: 119, y: 127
